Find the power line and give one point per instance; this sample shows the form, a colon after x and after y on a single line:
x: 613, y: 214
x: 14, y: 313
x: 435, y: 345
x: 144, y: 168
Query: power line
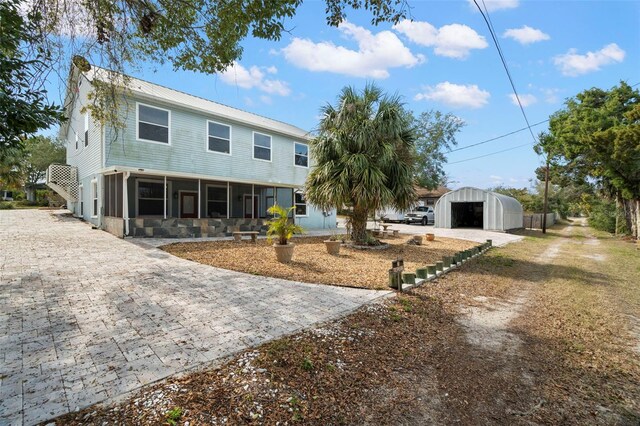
x: 491, y: 153
x: 499, y: 137
x: 504, y: 62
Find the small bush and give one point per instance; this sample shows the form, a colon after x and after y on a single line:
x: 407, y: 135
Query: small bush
x: 6, y: 206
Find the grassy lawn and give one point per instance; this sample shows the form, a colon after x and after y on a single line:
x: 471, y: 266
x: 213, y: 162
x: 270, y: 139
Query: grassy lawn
x: 311, y: 262
x: 572, y: 358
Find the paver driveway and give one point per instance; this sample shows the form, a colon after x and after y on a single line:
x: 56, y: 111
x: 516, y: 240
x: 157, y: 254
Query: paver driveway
x: 85, y: 316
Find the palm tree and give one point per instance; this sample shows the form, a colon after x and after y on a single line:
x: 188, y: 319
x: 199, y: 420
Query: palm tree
x: 363, y: 156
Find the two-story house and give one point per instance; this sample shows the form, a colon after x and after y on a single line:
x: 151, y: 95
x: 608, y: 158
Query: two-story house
x: 181, y: 166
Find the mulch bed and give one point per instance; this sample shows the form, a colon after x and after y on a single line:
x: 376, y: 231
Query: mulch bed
x: 311, y: 262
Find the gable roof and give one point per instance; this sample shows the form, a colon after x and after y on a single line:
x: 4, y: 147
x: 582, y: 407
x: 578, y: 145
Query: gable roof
x: 150, y: 91
x: 431, y: 193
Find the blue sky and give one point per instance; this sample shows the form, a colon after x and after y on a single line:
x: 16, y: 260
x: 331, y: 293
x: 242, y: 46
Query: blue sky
x: 444, y: 59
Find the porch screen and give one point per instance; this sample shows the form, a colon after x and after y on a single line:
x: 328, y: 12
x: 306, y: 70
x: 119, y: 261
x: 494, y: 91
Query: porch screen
x: 217, y: 201
x: 150, y: 198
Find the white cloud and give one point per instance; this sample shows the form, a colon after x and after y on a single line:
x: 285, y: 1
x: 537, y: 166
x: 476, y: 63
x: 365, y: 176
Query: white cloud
x: 526, y: 35
x: 455, y: 95
x: 526, y: 99
x: 495, y: 4
x: 254, y: 77
x: 453, y: 41
x: 376, y: 54
x: 551, y: 95
x: 572, y: 64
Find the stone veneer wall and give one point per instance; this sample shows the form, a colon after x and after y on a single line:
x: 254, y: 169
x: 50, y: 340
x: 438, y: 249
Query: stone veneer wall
x: 193, y: 228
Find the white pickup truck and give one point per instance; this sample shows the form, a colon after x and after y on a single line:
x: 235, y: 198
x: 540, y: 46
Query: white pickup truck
x: 421, y: 214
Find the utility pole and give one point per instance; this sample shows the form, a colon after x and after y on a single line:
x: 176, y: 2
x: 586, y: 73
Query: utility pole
x: 546, y: 197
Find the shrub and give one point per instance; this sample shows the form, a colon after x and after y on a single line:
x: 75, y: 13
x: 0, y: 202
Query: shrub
x: 6, y: 205
x: 603, y: 216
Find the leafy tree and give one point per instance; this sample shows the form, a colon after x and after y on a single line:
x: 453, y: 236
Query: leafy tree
x: 435, y: 133
x: 364, y: 156
x: 598, y: 136
x: 23, y: 106
x: 39, y: 153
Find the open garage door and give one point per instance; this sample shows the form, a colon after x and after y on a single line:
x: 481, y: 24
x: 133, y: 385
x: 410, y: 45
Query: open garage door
x: 467, y: 215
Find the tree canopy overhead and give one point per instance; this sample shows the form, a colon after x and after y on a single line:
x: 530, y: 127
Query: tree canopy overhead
x: 364, y: 156
x: 197, y: 35
x: 24, y: 108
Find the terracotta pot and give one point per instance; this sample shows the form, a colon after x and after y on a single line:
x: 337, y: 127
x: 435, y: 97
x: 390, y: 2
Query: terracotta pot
x: 431, y: 237
x: 284, y: 253
x: 418, y: 239
x: 333, y: 247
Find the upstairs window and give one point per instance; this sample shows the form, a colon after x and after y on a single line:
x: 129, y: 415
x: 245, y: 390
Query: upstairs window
x: 261, y: 146
x: 153, y: 124
x: 86, y: 128
x: 300, y: 203
x: 301, y: 156
x: 219, y: 137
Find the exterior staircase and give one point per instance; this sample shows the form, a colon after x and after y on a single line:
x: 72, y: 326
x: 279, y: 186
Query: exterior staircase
x: 64, y: 180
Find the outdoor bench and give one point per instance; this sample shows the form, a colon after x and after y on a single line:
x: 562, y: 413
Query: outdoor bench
x: 237, y: 235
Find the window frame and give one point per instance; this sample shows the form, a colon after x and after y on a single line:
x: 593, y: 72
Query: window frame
x: 94, y: 198
x: 295, y: 154
x: 206, y: 141
x: 168, y: 111
x: 253, y: 148
x: 81, y: 199
x: 137, y: 198
x: 206, y: 199
x: 86, y: 129
x: 295, y: 204
x: 77, y: 139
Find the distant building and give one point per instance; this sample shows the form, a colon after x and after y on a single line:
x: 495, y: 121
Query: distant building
x: 429, y: 197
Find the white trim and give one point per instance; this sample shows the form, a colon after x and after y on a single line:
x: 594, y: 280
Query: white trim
x: 161, y: 181
x: 195, y: 176
x: 85, y: 135
x: 253, y: 146
x: 306, y: 205
x: 80, y: 200
x: 206, y: 146
x: 77, y: 140
x: 94, y: 199
x: 294, y: 155
x: 206, y: 198
x: 138, y: 138
x: 180, y: 191
x: 199, y: 199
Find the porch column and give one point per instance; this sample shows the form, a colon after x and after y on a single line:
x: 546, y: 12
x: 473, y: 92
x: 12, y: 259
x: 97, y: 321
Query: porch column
x: 228, y: 200
x: 125, y: 202
x: 293, y: 201
x: 253, y: 208
x: 199, y: 200
x: 165, y: 197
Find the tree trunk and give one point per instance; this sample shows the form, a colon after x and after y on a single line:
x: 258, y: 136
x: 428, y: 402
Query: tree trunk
x: 629, y: 216
x: 359, y: 224
x: 637, y: 220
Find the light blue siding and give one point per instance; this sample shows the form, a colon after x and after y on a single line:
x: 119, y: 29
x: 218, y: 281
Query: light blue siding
x: 187, y: 151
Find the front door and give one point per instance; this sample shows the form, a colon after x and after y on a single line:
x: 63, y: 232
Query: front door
x: 248, y: 204
x: 189, y: 204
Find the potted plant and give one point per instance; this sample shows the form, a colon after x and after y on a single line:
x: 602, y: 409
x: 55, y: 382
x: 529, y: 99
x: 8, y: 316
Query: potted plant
x: 333, y: 244
x: 431, y: 237
x: 282, y: 229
